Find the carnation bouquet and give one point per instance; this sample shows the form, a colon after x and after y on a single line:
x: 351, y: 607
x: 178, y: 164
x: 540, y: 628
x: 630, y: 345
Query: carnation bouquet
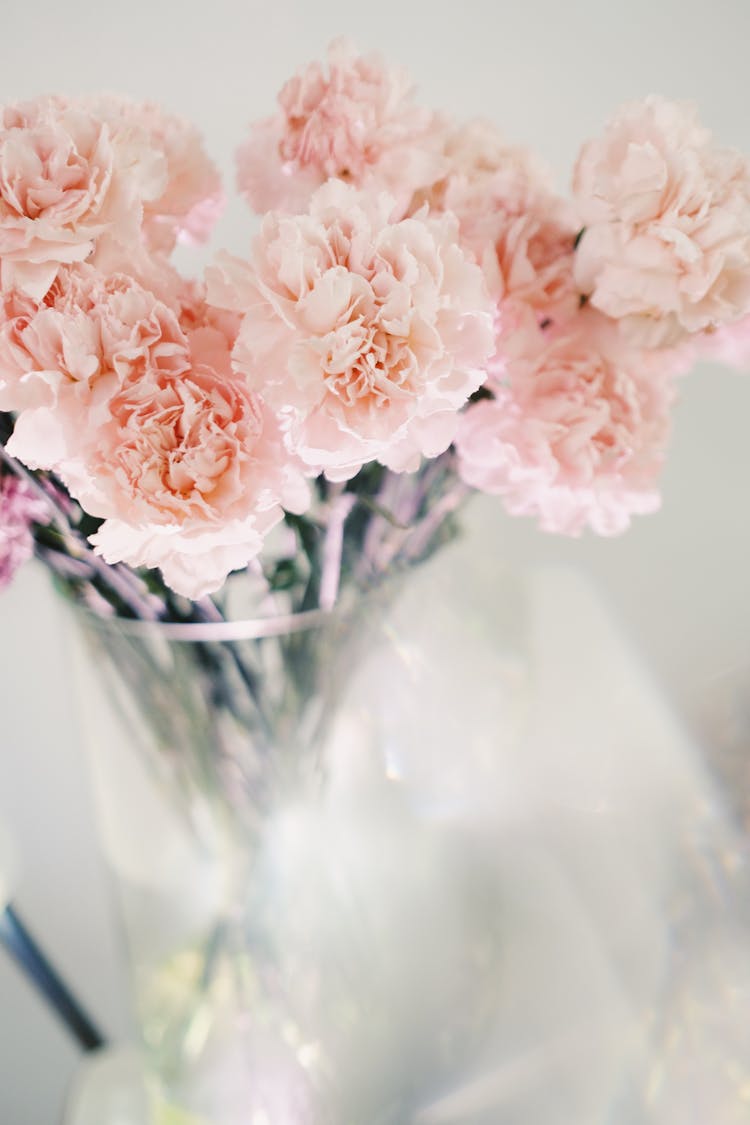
x: 420, y: 315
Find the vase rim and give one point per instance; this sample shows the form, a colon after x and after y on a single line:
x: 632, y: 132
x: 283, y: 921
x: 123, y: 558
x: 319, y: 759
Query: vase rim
x: 250, y: 628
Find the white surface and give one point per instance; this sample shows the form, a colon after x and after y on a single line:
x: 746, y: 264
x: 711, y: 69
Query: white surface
x: 109, y: 1088
x: 548, y: 73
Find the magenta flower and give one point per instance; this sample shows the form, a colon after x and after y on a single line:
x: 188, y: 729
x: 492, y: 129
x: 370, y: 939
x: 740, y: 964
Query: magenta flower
x: 19, y: 508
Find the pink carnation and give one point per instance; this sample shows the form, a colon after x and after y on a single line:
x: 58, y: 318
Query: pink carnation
x: 192, y: 199
x: 357, y: 122
x: 575, y: 437
x: 194, y: 312
x: 514, y: 226
x: 146, y: 425
x: 67, y: 183
x: 189, y: 472
x: 62, y: 359
x: 366, y: 336
x: 19, y: 508
x: 483, y: 173
x: 666, y: 246
x: 529, y: 270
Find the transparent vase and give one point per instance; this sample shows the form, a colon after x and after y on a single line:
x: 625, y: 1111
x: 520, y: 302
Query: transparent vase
x: 441, y: 857
x: 313, y: 918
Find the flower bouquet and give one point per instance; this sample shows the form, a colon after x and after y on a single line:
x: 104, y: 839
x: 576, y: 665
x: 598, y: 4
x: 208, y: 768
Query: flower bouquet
x: 230, y: 477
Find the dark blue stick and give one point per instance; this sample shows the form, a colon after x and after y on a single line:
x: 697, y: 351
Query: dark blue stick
x: 26, y: 953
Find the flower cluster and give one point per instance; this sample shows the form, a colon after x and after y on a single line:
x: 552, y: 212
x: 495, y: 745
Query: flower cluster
x: 418, y: 290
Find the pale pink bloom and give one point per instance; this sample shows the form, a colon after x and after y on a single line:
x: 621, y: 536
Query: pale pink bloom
x: 728, y: 345
x: 151, y: 269
x: 576, y: 434
x: 528, y: 265
x: 68, y: 182
x: 512, y: 223
x: 189, y: 472
x: 148, y: 428
x: 184, y: 296
x: 192, y: 199
x: 666, y: 245
x: 482, y: 172
x: 194, y: 558
x: 194, y: 312
x: 365, y: 335
x: 63, y: 358
x: 25, y: 381
x: 19, y: 508
x: 356, y: 122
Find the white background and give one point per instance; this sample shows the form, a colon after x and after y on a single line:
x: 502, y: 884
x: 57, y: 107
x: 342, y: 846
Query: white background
x: 549, y: 73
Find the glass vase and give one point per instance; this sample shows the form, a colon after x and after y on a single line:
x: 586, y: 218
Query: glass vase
x: 314, y: 920
x: 440, y: 857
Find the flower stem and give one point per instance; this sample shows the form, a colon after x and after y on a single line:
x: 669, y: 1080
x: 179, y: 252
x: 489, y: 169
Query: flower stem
x: 118, y: 579
x: 25, y: 951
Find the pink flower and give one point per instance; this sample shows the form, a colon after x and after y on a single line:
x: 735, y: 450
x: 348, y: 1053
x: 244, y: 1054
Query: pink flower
x: 194, y: 312
x: 19, y: 508
x: 189, y: 472
x: 481, y: 168
x: 529, y: 270
x: 514, y: 226
x: 356, y: 123
x: 666, y: 246
x: 67, y: 183
x: 575, y: 436
x: 63, y: 358
x: 192, y: 199
x: 366, y: 336
x: 146, y: 425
